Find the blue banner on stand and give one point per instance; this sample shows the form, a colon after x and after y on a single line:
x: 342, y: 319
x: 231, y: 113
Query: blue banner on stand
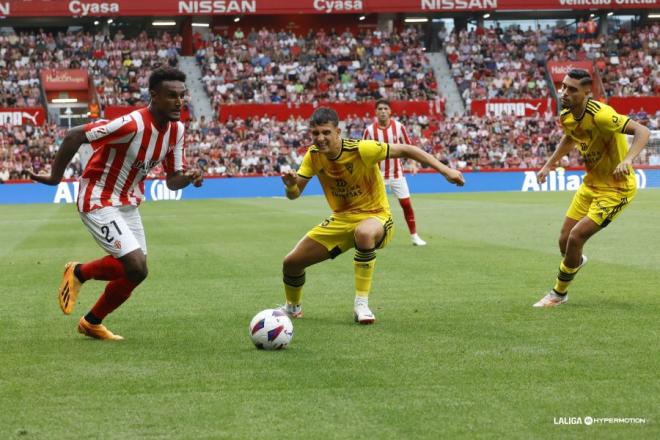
x: 214, y: 188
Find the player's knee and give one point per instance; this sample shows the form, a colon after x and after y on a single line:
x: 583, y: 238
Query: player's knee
x: 291, y: 263
x: 563, y: 240
x: 364, y: 238
x: 137, y: 273
x: 576, y: 237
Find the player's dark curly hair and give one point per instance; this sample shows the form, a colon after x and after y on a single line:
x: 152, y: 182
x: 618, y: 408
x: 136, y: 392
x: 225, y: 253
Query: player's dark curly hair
x: 581, y: 75
x: 165, y: 74
x: 323, y: 115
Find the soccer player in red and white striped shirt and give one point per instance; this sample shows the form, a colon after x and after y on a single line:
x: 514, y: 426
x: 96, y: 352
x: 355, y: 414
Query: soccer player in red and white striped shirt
x: 390, y: 131
x: 112, y: 187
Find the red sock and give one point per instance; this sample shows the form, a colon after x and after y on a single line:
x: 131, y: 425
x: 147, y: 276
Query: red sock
x: 107, y: 268
x: 116, y: 292
x: 409, y: 214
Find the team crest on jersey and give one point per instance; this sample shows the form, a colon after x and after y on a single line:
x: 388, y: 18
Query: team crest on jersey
x: 615, y: 119
x: 341, y: 183
x: 117, y: 244
x: 349, y: 167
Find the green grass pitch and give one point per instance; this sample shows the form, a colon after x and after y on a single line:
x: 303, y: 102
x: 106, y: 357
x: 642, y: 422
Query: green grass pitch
x: 457, y: 352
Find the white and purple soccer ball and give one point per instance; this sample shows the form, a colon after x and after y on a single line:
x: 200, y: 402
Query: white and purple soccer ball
x: 271, y: 329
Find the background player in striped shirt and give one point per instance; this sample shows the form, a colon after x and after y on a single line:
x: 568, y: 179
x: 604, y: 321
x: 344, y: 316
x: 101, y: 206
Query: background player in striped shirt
x: 388, y: 130
x: 112, y: 187
x: 351, y: 180
x: 609, y: 185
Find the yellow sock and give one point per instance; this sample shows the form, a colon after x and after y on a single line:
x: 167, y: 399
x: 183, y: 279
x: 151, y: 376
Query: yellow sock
x: 364, y: 264
x: 564, y: 277
x: 293, y: 286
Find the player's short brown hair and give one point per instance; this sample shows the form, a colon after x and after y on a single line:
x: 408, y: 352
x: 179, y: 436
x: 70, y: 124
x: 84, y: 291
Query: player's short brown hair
x: 323, y: 115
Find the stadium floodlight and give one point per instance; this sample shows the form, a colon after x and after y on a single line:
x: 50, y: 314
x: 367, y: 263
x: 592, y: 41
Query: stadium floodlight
x: 64, y: 100
x: 486, y: 15
x: 237, y: 19
x: 110, y: 20
x: 654, y: 15
x: 200, y: 25
x: 164, y: 23
x: 96, y: 22
x: 609, y: 14
x: 362, y: 17
x: 416, y: 20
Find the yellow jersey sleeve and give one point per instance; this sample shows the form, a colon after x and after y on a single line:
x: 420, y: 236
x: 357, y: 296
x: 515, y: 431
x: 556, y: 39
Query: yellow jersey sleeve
x: 306, y: 169
x: 373, y: 152
x: 609, y: 121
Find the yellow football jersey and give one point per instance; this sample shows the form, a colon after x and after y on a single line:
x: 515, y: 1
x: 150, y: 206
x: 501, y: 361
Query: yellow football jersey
x: 352, y: 182
x: 599, y: 137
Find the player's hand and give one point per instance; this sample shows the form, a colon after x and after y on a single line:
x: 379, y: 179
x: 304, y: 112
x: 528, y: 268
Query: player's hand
x: 622, y: 170
x: 195, y: 177
x: 455, y: 177
x: 290, y: 178
x: 542, y: 174
x: 46, y: 179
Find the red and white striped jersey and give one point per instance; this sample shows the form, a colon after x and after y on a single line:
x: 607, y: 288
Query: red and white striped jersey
x: 124, y: 150
x: 394, y: 133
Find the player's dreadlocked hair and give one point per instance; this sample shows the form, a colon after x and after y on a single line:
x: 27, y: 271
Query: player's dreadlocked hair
x: 323, y: 115
x: 165, y: 74
x: 582, y: 75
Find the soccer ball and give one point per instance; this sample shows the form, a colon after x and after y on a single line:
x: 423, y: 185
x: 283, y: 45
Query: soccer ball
x: 271, y: 329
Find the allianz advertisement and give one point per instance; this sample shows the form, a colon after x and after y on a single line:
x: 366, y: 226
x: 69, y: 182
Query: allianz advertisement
x: 215, y: 188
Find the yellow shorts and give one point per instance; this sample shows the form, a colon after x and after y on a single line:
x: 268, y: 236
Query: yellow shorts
x: 601, y: 206
x: 336, y: 232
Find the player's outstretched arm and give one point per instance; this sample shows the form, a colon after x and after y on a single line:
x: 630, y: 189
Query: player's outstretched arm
x: 421, y: 156
x: 641, y: 137
x: 294, y: 184
x: 563, y: 148
x: 181, y: 179
x: 70, y: 145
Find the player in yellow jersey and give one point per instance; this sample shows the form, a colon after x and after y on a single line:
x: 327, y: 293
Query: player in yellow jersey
x: 351, y: 180
x: 609, y: 186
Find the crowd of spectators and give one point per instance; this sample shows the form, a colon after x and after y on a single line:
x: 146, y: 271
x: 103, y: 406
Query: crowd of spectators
x: 497, y: 63
x: 267, y: 66
x: 628, y: 61
x: 119, y: 66
x: 265, y: 146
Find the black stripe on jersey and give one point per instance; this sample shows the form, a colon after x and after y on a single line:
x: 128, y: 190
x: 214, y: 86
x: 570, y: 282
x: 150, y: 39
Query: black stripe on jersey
x: 594, y: 103
x: 591, y: 112
x: 623, y: 129
x: 591, y: 109
x: 304, y: 177
x: 388, y: 151
x: 349, y: 144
